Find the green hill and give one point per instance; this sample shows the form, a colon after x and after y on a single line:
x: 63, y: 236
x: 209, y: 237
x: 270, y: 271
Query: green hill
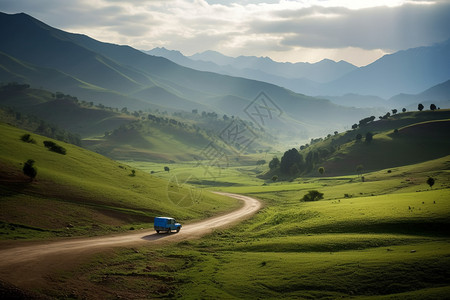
x: 404, y: 139
x: 65, y: 111
x: 120, y: 134
x: 412, y: 144
x: 397, y: 140
x: 83, y: 193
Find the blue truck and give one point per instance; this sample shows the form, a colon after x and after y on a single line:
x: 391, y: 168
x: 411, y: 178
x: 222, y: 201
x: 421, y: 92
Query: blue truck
x: 166, y: 224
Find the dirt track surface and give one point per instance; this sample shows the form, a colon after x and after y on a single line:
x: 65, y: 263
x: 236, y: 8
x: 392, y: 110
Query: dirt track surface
x: 28, y: 266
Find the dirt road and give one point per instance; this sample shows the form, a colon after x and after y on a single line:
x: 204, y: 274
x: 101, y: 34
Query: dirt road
x: 28, y: 266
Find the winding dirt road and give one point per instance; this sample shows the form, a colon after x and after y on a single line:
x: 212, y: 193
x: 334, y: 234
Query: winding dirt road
x: 28, y: 266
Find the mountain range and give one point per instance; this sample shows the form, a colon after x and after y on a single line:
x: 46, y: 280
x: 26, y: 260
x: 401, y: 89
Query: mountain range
x: 299, y: 77
x: 411, y: 71
x: 120, y: 76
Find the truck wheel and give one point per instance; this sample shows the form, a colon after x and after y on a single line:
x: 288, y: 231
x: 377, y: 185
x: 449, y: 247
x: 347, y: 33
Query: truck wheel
x: 157, y: 231
x: 178, y: 230
x: 168, y: 230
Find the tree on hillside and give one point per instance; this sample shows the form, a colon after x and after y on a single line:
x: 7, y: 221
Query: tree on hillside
x: 292, y: 161
x: 55, y: 147
x: 321, y: 170
x: 27, y: 138
x: 430, y: 181
x: 274, y: 163
x: 358, y: 137
x: 261, y: 162
x: 166, y: 168
x: 366, y: 121
x: 394, y: 111
x: 403, y: 109
x: 336, y: 133
x: 274, y: 178
x: 420, y: 107
x: 29, y: 169
x: 432, y: 107
x: 313, y: 196
x: 354, y: 126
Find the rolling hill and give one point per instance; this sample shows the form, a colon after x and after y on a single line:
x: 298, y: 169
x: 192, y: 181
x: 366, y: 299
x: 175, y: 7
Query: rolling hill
x: 397, y: 140
x: 120, y: 134
x: 120, y: 76
x: 64, y: 111
x: 83, y: 193
x: 402, y: 139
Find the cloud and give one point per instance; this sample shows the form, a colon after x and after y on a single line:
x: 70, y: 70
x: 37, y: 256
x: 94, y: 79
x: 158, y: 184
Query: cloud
x: 392, y: 28
x: 250, y: 27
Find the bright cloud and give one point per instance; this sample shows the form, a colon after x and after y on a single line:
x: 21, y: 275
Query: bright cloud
x: 295, y: 30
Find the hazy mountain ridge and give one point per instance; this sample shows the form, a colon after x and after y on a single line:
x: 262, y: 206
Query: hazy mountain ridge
x: 407, y: 71
x: 303, y: 78
x: 120, y: 76
x: 438, y: 95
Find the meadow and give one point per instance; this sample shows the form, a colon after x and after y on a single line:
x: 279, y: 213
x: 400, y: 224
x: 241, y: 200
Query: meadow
x: 83, y: 193
x: 384, y: 238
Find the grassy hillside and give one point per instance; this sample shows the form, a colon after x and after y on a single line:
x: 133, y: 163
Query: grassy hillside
x: 413, y: 143
x: 65, y: 111
x: 83, y: 193
x: 121, y: 134
x: 397, y: 140
x: 387, y: 239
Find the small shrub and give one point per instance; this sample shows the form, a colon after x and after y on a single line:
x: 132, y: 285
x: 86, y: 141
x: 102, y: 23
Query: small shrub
x: 321, y: 170
x: 430, y: 181
x: 27, y: 138
x: 313, y: 196
x: 55, y: 147
x: 29, y: 169
x: 59, y: 149
x: 49, y: 144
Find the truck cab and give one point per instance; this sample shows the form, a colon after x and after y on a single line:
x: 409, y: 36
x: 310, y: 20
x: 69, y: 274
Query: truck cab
x: 166, y: 224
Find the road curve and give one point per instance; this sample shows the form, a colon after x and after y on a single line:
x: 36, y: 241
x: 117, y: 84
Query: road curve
x: 26, y: 265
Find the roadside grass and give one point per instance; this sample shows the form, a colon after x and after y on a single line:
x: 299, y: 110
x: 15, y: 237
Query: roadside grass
x: 367, y: 272
x: 188, y: 272
x: 392, y: 245
x: 83, y: 190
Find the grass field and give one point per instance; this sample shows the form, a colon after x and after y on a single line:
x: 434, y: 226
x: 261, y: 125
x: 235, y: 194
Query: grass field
x: 376, y: 235
x: 387, y: 239
x: 83, y: 193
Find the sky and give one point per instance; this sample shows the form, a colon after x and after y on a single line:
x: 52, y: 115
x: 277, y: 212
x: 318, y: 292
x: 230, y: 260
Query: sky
x: 357, y: 31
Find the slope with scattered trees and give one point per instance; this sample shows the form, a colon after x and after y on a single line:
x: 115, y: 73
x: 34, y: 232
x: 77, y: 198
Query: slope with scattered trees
x: 394, y: 140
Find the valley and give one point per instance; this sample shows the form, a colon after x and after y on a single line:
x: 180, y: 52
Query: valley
x: 281, y: 193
